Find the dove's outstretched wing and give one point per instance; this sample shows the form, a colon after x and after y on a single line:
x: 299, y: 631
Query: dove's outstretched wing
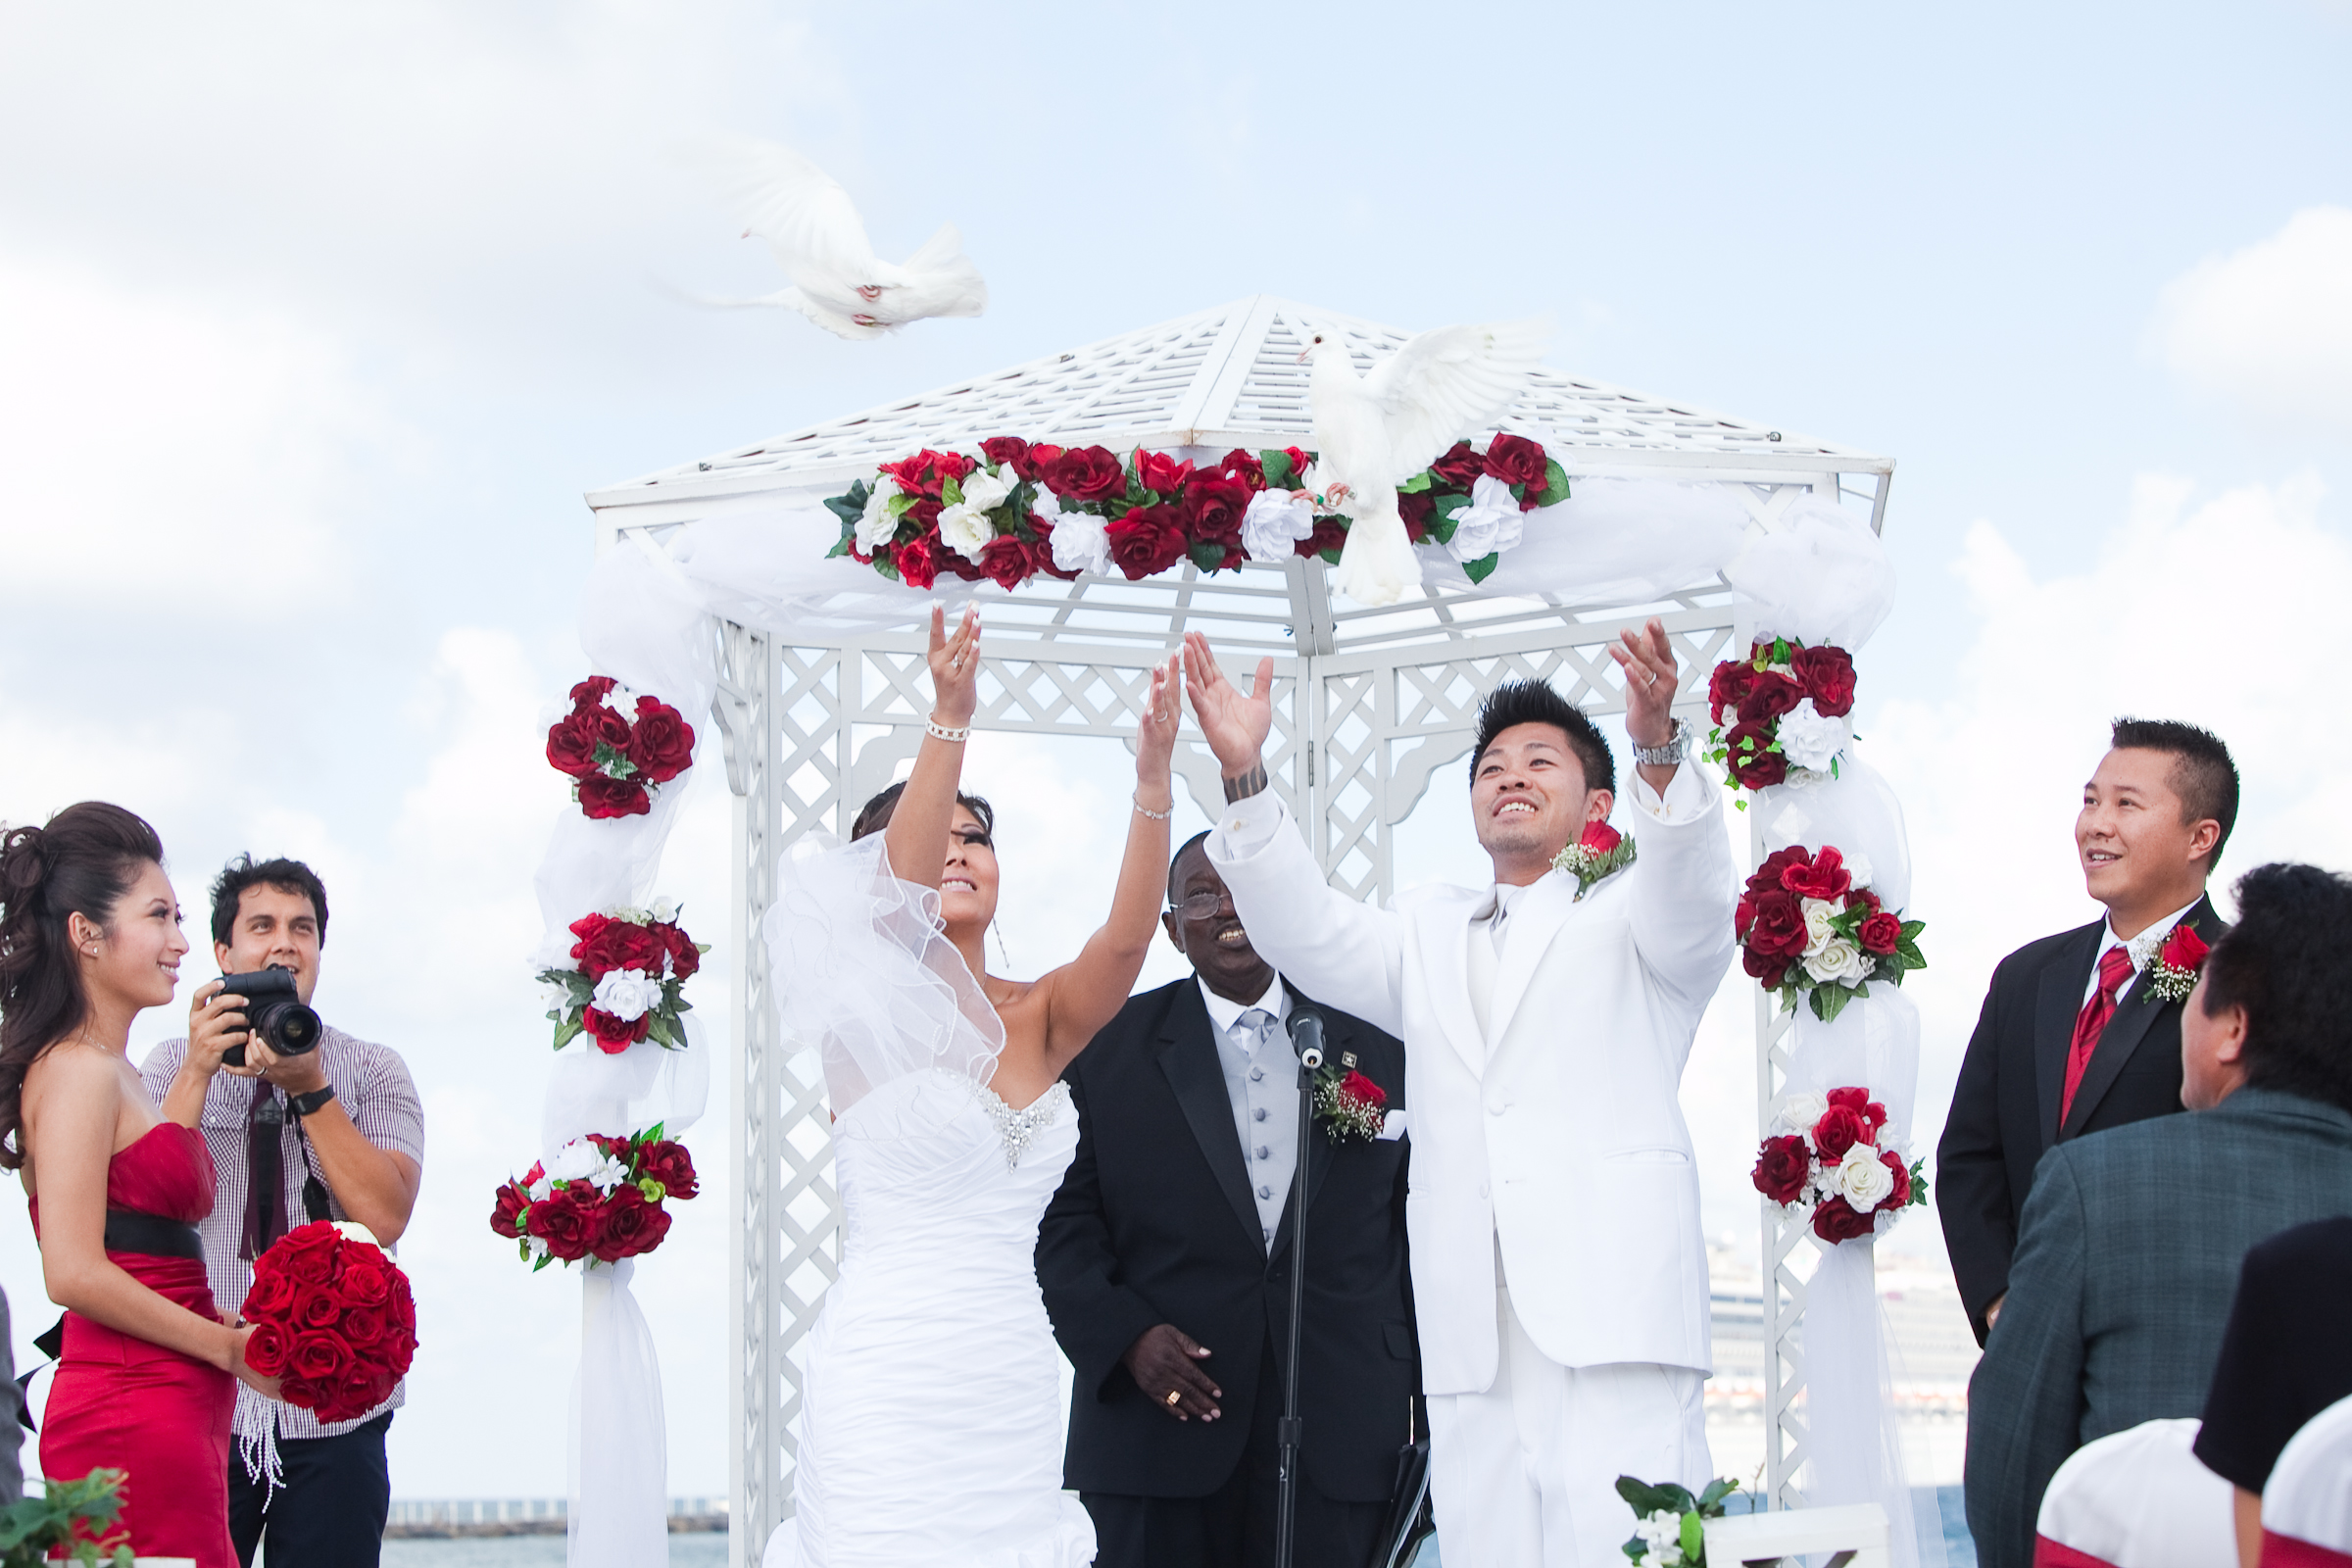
x: 1448, y: 382
x: 810, y: 223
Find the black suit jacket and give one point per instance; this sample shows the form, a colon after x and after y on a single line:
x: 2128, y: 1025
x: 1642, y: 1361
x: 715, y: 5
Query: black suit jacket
x: 1154, y: 1224
x: 2005, y: 1107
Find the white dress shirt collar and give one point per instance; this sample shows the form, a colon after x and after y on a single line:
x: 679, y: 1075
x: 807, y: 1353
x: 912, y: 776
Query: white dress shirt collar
x: 1225, y: 1014
x: 2143, y: 947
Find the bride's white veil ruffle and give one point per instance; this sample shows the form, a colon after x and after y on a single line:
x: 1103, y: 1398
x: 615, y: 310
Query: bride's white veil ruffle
x: 863, y: 974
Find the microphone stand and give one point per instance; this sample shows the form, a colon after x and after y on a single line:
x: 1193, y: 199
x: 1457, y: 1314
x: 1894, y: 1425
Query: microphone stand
x: 1306, y: 1039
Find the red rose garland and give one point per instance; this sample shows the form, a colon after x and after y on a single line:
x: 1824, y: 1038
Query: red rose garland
x: 1781, y: 714
x: 333, y: 1320
x: 994, y: 516
x: 1837, y: 1161
x: 1807, y: 925
x: 617, y: 763
x: 626, y: 980
x: 601, y: 1198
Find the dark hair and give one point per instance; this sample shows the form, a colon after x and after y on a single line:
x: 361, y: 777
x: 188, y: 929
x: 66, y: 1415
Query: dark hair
x: 287, y: 876
x: 1177, y: 859
x: 874, y: 815
x: 2203, y: 775
x: 81, y: 864
x: 2289, y: 962
x: 1534, y: 702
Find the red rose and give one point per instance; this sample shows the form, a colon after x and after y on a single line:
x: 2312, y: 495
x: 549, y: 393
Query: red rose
x: 1839, y: 1129
x: 1241, y: 465
x: 267, y: 1347
x: 1827, y: 676
x: 631, y: 1225
x: 661, y: 742
x: 1599, y: 838
x: 1770, y: 695
x: 1215, y: 505
x: 1751, y: 764
x: 1776, y: 925
x: 1007, y: 562
x: 1837, y: 1220
x: 1769, y: 969
x: 1009, y: 451
x: 312, y: 1266
x: 1158, y: 472
x: 271, y: 1296
x: 1041, y: 458
x: 1515, y: 460
x: 619, y: 944
x: 354, y: 1394
x: 367, y: 1280
x: 1086, y: 473
x: 1824, y: 878
x: 1782, y: 1166
x: 318, y: 1356
x: 1147, y: 540
x: 1416, y: 508
x: 917, y: 560
x: 569, y: 1227
x: 318, y: 1308
x: 1330, y: 533
x: 2182, y: 949
x: 585, y: 928
x: 935, y: 469
x: 684, y: 956
x: 1900, y: 1196
x: 614, y: 1035
x: 1858, y: 1100
x: 1772, y: 873
x: 673, y: 1166
x: 1362, y: 1090
x: 572, y: 742
x: 1460, y: 466
x: 590, y: 693
x: 1727, y: 685
x: 1880, y: 934
x: 362, y: 1327
x: 603, y: 799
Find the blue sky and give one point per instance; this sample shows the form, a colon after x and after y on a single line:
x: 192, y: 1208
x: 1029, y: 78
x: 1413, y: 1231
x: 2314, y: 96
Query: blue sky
x: 316, y: 322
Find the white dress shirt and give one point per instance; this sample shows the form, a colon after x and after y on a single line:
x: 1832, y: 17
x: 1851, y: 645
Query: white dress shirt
x: 1261, y: 1081
x: 2143, y: 947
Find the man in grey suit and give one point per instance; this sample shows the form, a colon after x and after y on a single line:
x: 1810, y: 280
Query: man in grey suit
x: 2132, y: 1239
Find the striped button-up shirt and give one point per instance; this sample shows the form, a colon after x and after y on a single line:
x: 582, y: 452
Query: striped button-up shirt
x: 374, y: 1086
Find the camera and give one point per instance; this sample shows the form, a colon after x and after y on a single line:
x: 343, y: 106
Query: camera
x: 273, y: 1013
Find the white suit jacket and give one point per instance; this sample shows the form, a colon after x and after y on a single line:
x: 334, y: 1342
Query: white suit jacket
x: 1564, y: 1143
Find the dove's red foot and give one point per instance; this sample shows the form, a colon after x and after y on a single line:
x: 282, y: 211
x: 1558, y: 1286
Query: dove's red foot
x: 869, y: 292
x: 865, y: 320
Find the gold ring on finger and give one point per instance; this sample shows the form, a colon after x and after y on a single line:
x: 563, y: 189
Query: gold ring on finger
x: 1174, y: 1395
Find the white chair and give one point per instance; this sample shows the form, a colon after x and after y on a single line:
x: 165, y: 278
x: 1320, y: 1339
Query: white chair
x: 2138, y: 1499
x: 2307, y: 1508
x: 1855, y: 1537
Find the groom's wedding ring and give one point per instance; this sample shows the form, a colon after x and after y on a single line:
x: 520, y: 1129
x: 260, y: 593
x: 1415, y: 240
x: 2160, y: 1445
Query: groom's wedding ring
x: 1174, y: 1395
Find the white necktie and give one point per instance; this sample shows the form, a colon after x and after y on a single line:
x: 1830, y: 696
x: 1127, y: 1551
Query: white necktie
x: 1253, y: 1028
x: 1497, y: 928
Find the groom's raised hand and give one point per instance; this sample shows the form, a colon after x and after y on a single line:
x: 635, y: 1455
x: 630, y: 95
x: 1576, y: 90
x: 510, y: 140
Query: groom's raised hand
x: 1235, y: 723
x: 1165, y: 1363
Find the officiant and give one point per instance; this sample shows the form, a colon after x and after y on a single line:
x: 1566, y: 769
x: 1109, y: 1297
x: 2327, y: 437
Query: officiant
x: 1165, y: 1261
x: 1558, y: 1270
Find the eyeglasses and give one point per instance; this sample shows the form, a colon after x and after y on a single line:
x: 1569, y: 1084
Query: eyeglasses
x: 1200, y: 906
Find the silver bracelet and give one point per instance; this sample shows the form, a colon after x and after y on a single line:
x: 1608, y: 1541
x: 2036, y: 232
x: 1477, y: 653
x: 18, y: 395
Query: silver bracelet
x: 953, y: 737
x: 1156, y: 816
x: 1670, y: 755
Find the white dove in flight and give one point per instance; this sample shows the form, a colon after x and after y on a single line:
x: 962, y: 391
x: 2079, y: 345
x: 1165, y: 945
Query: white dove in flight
x: 1440, y: 387
x: 818, y: 237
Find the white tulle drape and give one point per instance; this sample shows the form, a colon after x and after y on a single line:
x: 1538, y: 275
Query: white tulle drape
x: 619, y: 1510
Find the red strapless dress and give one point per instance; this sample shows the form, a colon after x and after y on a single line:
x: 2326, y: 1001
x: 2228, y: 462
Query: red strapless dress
x: 129, y: 1405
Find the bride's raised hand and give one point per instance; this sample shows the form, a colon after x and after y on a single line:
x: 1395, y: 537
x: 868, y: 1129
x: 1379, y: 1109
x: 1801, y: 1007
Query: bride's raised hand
x: 1155, y: 735
x: 954, y: 659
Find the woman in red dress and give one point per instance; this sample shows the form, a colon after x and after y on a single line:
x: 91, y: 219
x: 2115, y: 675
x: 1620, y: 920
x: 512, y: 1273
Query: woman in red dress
x: 89, y: 937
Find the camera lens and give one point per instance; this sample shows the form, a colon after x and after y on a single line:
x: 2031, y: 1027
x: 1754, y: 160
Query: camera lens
x: 288, y: 1027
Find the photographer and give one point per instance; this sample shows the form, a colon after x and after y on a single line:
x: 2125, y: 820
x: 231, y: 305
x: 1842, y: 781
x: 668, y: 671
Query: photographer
x: 332, y: 1131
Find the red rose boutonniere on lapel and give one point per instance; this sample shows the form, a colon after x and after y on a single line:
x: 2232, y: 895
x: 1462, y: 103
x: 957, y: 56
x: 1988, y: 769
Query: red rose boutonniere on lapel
x: 1602, y: 851
x: 1347, y: 1103
x: 2173, y: 973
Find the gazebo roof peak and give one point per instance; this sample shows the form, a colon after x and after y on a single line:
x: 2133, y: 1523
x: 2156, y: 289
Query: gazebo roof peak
x: 1222, y: 377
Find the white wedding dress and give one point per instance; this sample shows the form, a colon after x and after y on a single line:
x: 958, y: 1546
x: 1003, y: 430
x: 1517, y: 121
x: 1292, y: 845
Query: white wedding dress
x: 930, y: 1426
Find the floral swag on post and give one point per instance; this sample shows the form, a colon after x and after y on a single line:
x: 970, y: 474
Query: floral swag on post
x: 1836, y: 1162
x: 1788, y: 708
x: 617, y: 764
x: 1022, y: 508
x: 599, y: 1198
x: 1807, y: 924
x: 626, y: 980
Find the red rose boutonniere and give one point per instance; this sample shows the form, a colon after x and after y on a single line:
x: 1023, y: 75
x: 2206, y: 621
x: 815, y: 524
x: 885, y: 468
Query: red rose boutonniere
x: 1347, y: 1103
x: 1602, y: 851
x: 2173, y: 973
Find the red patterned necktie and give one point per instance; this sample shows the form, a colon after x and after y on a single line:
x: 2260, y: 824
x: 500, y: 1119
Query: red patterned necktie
x: 2115, y: 967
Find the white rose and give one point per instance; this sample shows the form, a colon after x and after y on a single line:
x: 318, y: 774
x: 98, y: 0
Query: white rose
x: 541, y: 1188
x: 875, y: 525
x: 537, y: 1244
x: 1863, y: 1179
x: 1819, y: 912
x: 574, y: 1161
x: 1799, y: 1110
x: 1841, y: 961
x: 1809, y: 739
x: 965, y: 529
x: 984, y: 491
x: 1080, y: 543
x: 1275, y: 522
x: 665, y: 910
x: 625, y: 993
x: 1492, y: 521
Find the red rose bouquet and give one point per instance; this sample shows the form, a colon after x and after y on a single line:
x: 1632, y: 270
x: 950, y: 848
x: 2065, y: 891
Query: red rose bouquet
x: 2173, y: 971
x: 1807, y: 923
x: 617, y: 763
x: 1347, y: 1103
x: 1602, y: 850
x: 626, y: 979
x: 332, y: 1320
x: 1780, y: 715
x: 600, y: 1198
x: 1834, y: 1158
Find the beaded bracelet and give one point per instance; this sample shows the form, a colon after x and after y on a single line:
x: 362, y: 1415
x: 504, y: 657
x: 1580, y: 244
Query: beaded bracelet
x: 932, y: 726
x: 1156, y: 816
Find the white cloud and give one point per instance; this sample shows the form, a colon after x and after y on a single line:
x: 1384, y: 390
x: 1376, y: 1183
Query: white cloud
x: 2270, y: 327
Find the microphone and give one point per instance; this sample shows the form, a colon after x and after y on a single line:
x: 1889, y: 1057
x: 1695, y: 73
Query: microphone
x: 1307, y: 1036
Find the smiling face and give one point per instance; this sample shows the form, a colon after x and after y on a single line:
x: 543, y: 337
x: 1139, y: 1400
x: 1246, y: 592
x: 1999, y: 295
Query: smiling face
x: 2140, y: 858
x: 1213, y: 937
x: 134, y: 961
x: 1527, y: 799
x: 275, y: 928
x: 967, y: 884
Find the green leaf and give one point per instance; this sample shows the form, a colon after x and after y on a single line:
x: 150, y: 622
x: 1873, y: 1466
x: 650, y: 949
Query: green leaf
x: 1330, y: 557
x: 1415, y: 485
x: 567, y: 1032
x: 1710, y: 1501
x: 1208, y: 556
x: 1912, y: 928
x: 887, y: 567
x: 1693, y: 1537
x: 841, y: 547
x: 1678, y: 1498
x: 1830, y: 1001
x: 1635, y: 1549
x: 1641, y: 1497
x: 950, y: 493
x: 850, y: 506
x: 897, y: 506
x: 1555, y: 482
x: 1483, y: 567
x: 1278, y: 470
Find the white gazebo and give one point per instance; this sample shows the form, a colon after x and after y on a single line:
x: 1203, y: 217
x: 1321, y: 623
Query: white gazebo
x: 1369, y: 704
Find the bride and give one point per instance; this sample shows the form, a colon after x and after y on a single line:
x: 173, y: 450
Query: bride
x: 929, y: 1430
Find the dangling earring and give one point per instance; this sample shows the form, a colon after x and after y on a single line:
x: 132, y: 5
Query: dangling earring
x: 1002, y: 956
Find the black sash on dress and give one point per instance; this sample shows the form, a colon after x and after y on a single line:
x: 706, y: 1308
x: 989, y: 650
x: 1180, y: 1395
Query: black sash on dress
x: 127, y: 1231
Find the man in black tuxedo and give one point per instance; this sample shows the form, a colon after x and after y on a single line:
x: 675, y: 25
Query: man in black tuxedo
x: 1166, y: 1257
x: 2069, y: 1041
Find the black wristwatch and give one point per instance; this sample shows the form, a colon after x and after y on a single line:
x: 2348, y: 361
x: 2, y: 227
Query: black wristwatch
x: 312, y: 1103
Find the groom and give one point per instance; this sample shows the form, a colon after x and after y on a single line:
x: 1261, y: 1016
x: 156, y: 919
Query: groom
x: 1558, y: 1272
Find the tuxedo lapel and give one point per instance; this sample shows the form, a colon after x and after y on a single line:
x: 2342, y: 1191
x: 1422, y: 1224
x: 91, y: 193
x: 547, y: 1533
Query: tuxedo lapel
x: 1188, y: 1054
x: 2056, y: 1006
x: 2124, y: 1034
x: 1446, y: 953
x: 1536, y: 918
